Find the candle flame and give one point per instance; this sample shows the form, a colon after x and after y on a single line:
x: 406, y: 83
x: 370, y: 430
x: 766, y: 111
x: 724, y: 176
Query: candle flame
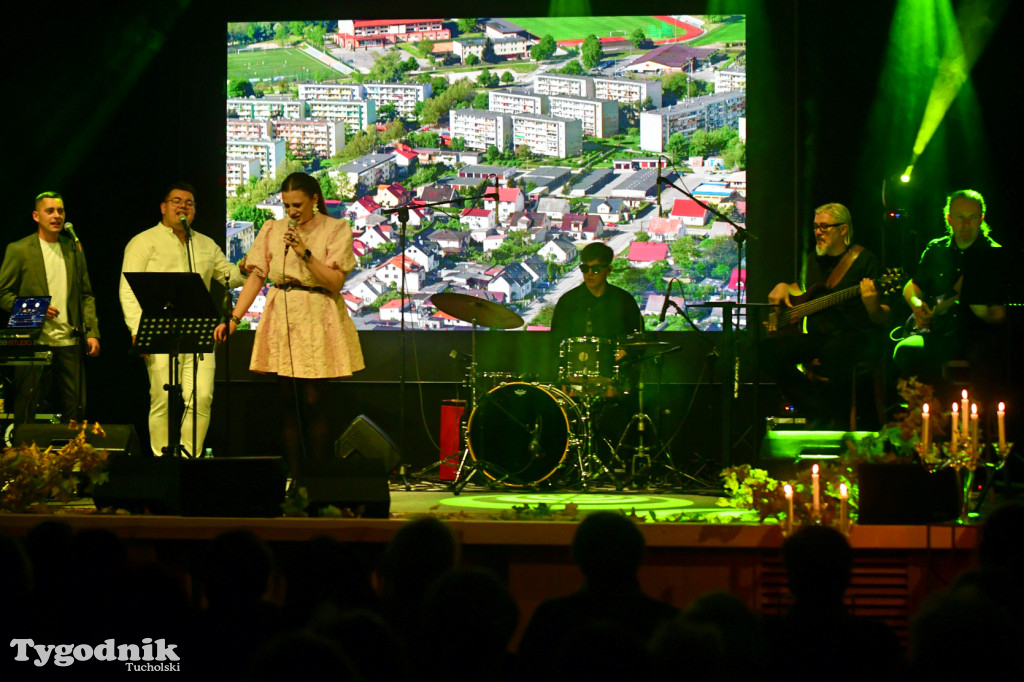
x: 789, y: 490
x: 974, y: 409
x: 925, y: 409
x: 843, y: 492
x: 963, y: 394
x: 956, y: 408
x: 814, y: 469
x: 1002, y: 407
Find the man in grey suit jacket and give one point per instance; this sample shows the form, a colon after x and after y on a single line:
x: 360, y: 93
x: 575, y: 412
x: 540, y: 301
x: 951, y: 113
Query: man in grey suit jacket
x: 50, y: 263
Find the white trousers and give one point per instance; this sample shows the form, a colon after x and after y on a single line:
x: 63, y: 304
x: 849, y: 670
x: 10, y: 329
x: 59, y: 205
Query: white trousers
x: 158, y: 367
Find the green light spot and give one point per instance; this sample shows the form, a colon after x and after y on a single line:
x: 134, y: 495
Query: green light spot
x: 584, y: 502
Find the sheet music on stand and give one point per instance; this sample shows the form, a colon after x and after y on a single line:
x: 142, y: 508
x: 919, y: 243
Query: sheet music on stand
x: 178, y: 313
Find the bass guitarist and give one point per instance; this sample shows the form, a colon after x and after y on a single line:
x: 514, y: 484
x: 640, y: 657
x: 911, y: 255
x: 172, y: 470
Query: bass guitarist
x: 838, y: 336
x: 955, y: 300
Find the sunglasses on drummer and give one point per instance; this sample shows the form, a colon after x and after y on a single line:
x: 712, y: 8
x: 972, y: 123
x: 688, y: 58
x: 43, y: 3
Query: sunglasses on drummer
x: 591, y: 268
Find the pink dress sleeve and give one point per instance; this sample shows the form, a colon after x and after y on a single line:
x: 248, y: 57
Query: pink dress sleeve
x: 339, y: 248
x: 259, y: 256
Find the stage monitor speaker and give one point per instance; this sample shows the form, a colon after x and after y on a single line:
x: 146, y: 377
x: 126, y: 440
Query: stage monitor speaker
x: 251, y: 487
x: 141, y: 485
x: 906, y: 494
x: 366, y: 449
x: 118, y: 438
x: 338, y: 483
x: 795, y: 445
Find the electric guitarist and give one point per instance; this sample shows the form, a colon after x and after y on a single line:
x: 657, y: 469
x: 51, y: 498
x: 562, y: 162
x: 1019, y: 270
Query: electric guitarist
x: 838, y: 336
x: 958, y: 329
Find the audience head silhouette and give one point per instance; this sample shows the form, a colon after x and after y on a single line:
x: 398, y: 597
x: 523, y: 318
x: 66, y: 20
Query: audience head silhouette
x: 819, y: 563
x: 608, y: 548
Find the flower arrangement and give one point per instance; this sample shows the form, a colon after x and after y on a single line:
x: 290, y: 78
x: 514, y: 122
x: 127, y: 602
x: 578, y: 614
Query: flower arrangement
x: 750, y: 488
x: 30, y: 477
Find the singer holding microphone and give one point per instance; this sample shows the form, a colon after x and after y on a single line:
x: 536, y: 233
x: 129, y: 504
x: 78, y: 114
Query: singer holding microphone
x: 305, y: 335
x: 173, y: 246
x: 51, y: 263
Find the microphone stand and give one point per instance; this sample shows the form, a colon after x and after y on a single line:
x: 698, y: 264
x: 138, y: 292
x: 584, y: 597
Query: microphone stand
x: 83, y: 346
x: 227, y: 367
x: 730, y: 380
x: 403, y: 220
x: 190, y: 256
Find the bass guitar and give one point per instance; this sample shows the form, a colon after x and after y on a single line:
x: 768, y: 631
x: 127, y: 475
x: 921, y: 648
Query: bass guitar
x: 812, y: 301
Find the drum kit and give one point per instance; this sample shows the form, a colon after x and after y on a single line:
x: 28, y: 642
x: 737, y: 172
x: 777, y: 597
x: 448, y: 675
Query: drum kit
x: 524, y: 433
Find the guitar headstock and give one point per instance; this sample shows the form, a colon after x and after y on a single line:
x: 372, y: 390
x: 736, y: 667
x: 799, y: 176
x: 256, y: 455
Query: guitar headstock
x: 890, y: 281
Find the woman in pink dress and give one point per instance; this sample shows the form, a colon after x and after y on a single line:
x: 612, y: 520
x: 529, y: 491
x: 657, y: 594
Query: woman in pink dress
x: 305, y: 335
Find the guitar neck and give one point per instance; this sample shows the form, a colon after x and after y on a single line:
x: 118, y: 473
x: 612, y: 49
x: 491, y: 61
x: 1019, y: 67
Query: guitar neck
x: 804, y: 309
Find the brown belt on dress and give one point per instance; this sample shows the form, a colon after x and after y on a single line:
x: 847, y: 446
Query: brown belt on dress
x: 288, y: 286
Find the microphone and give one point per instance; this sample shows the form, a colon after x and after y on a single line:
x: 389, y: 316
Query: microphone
x: 188, y: 230
x: 291, y: 224
x: 664, y: 306
x: 534, y: 447
x: 71, y: 230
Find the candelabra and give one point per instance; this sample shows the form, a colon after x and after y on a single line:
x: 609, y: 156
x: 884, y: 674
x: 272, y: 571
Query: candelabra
x: 965, y: 452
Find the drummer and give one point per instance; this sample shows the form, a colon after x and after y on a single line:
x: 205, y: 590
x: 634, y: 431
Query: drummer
x: 596, y: 308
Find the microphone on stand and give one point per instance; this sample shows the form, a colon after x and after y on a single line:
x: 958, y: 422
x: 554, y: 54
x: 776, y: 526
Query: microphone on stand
x: 664, y: 306
x: 71, y: 230
x: 291, y: 224
x: 188, y: 229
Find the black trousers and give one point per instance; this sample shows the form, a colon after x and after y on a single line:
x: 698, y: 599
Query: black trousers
x: 987, y: 350
x: 62, y: 382
x: 826, y: 397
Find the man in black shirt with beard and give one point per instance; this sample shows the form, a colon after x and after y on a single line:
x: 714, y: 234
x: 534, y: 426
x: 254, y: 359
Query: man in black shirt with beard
x: 838, y: 336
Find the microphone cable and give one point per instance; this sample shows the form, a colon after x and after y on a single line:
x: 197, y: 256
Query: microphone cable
x: 291, y: 362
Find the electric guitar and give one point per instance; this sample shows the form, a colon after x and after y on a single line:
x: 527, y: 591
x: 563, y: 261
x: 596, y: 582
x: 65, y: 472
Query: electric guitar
x: 944, y: 312
x: 812, y: 301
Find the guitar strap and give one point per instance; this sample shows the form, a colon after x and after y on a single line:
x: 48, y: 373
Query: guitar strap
x: 843, y: 266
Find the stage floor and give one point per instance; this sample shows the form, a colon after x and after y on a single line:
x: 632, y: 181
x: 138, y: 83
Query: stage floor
x: 481, y: 503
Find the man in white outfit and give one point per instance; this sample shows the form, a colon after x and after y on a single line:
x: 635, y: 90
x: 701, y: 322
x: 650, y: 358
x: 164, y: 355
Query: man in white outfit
x: 163, y: 249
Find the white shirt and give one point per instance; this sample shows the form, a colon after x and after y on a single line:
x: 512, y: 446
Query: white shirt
x: 56, y: 332
x: 158, y: 249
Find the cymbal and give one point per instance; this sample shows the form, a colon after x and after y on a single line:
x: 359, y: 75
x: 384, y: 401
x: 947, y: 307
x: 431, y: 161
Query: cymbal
x: 479, y: 310
x: 643, y: 345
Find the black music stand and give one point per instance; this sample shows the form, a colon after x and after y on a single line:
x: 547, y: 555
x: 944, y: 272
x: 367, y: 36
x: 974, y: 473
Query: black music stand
x: 178, y: 316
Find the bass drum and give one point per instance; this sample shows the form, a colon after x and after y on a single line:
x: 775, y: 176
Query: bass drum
x: 520, y: 433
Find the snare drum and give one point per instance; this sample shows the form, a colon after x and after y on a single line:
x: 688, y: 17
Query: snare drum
x: 520, y: 433
x: 587, y: 360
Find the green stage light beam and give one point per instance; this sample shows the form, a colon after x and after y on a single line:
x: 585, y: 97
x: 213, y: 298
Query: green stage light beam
x: 927, y: 63
x: 974, y: 26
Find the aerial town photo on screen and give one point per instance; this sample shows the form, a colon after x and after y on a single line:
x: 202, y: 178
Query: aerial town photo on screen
x: 511, y: 143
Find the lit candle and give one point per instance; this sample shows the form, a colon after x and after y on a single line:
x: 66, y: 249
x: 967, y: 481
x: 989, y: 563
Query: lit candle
x: 816, y: 485
x: 954, y: 432
x: 925, y: 418
x: 964, y: 411
x: 844, y: 495
x: 974, y: 430
x: 789, y: 498
x: 1001, y: 414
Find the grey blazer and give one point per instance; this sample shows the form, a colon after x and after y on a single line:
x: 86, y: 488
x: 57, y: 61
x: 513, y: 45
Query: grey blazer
x: 24, y: 274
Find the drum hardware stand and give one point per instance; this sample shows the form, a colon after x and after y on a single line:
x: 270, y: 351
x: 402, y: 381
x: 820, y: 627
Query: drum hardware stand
x: 641, y: 463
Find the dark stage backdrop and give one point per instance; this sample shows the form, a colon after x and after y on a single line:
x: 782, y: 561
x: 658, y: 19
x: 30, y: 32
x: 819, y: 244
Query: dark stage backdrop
x: 113, y: 105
